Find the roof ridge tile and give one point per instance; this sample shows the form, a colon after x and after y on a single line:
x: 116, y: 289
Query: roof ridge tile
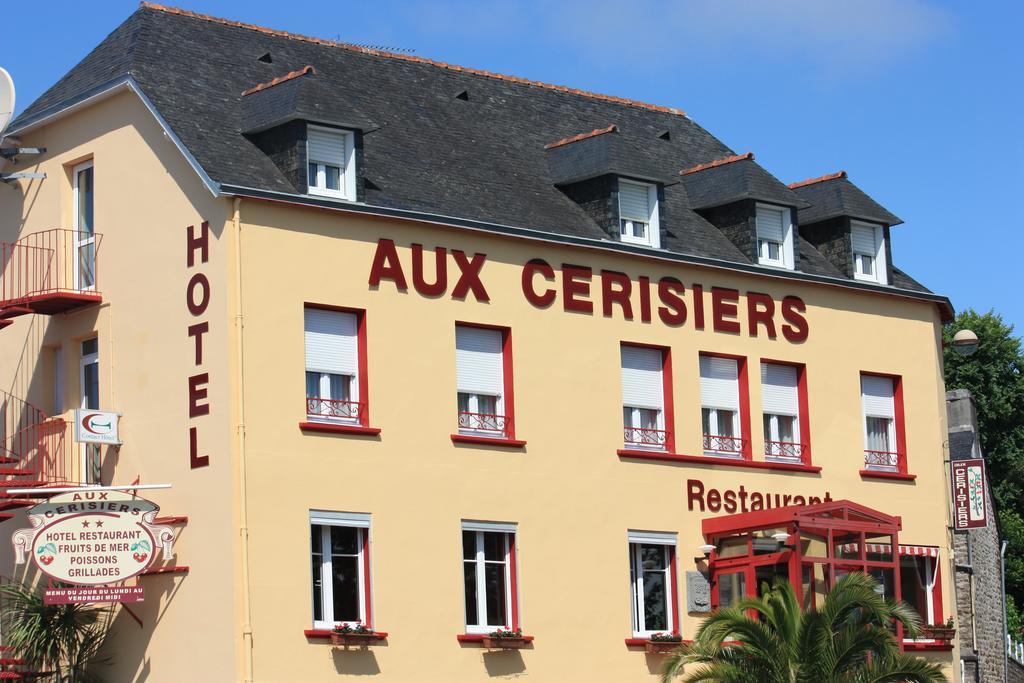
x: 582, y: 136
x: 411, y: 58
x: 819, y: 179
x: 291, y: 75
x: 717, y: 162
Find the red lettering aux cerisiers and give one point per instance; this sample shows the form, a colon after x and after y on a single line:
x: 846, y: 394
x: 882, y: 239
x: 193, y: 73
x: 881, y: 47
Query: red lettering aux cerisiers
x: 197, y: 300
x: 616, y: 293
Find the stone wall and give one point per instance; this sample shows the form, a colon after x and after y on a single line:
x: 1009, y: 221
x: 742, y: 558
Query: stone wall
x: 978, y: 581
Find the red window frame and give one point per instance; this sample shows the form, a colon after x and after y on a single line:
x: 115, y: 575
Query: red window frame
x: 744, y: 396
x: 509, y: 440
x: 363, y: 428
x: 803, y: 405
x: 902, y: 471
x: 666, y: 388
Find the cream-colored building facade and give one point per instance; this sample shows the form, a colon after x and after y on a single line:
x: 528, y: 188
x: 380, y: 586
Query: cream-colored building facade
x: 201, y: 348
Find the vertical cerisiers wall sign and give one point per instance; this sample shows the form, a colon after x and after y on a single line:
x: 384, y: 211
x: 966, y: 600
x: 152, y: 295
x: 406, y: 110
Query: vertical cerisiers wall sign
x: 968, y: 482
x: 93, y: 539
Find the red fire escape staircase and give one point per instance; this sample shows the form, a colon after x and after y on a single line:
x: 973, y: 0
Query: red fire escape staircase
x: 48, y: 272
x: 34, y: 454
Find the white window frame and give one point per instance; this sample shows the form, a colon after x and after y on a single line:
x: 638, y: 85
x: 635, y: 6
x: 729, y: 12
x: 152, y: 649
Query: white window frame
x: 510, y: 539
x: 474, y: 395
x: 653, y: 238
x: 890, y: 431
x: 786, y: 253
x: 318, y: 185
x: 353, y: 520
x: 636, y: 540
x: 881, y: 266
x: 90, y: 240
x: 89, y: 451
x: 354, y: 387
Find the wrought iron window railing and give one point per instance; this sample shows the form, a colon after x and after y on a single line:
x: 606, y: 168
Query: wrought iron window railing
x: 638, y: 437
x: 882, y: 460
x: 723, y: 445
x: 784, y: 451
x: 329, y: 409
x: 485, y: 424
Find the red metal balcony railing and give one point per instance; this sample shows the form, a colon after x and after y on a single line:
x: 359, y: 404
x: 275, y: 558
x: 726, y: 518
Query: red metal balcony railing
x: 49, y: 272
x: 636, y: 437
x: 329, y: 409
x: 485, y: 424
x: 723, y: 445
x: 35, y: 451
x: 882, y: 460
x: 785, y: 451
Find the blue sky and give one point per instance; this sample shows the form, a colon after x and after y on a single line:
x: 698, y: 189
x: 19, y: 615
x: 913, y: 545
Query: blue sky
x: 919, y: 101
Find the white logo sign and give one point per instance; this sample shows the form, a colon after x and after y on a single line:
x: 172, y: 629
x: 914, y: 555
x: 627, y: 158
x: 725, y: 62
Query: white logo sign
x: 92, y: 538
x: 96, y: 426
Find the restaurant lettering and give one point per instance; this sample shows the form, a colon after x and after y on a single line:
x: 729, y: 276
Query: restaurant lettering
x: 704, y: 499
x: 580, y: 289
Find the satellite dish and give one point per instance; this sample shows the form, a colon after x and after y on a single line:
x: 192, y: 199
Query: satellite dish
x: 6, y: 99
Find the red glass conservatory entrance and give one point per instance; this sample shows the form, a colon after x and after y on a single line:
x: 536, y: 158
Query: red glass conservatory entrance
x: 811, y: 546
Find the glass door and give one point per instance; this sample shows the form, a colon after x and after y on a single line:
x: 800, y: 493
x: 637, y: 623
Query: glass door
x: 84, y: 227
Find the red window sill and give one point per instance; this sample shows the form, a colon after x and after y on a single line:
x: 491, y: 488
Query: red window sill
x: 326, y: 428
x: 325, y: 634
x: 918, y: 646
x: 722, y: 462
x: 487, y: 441
x: 879, y: 474
x: 479, y: 637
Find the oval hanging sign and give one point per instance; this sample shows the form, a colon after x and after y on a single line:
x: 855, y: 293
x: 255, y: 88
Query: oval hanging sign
x: 91, y: 538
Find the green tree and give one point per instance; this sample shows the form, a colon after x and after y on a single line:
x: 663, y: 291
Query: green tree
x: 63, y: 639
x: 994, y: 374
x: 847, y: 640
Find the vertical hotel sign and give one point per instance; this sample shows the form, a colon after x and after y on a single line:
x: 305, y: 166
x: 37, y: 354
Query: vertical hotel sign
x: 197, y: 299
x: 968, y: 481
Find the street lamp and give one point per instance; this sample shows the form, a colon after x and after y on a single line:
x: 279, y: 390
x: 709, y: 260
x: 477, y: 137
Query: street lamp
x: 965, y: 342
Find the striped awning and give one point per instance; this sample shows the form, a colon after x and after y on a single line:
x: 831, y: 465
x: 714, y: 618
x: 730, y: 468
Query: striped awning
x: 885, y: 549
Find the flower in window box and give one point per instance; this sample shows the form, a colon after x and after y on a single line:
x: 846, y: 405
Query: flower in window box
x: 505, y: 639
x: 939, y: 631
x: 663, y: 642
x: 346, y: 634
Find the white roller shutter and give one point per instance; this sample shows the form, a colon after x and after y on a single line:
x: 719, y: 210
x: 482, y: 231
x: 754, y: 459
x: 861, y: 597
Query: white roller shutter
x: 864, y: 239
x: 877, y: 396
x: 719, y: 383
x: 478, y: 360
x: 325, y: 146
x: 331, y: 342
x: 635, y: 201
x: 779, y: 389
x: 652, y: 537
x: 642, y: 382
x: 770, y: 224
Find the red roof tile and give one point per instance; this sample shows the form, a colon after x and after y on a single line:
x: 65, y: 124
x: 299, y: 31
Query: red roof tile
x: 582, y: 136
x: 717, y: 162
x: 811, y: 181
x: 279, y: 80
x: 411, y: 58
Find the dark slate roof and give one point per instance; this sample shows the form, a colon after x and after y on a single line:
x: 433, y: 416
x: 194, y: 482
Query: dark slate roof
x: 715, y: 184
x: 834, y: 195
x: 483, y: 157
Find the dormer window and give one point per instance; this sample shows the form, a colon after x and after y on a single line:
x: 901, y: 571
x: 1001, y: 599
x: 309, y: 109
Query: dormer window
x: 868, y: 246
x: 331, y: 157
x: 774, y: 236
x: 638, y: 213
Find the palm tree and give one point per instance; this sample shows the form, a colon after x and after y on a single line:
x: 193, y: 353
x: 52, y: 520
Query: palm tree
x: 64, y: 639
x: 847, y: 640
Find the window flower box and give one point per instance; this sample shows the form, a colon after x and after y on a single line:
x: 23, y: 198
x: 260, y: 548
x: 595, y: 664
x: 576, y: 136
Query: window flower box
x: 660, y: 643
x: 347, y: 636
x: 938, y: 632
x: 505, y: 639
